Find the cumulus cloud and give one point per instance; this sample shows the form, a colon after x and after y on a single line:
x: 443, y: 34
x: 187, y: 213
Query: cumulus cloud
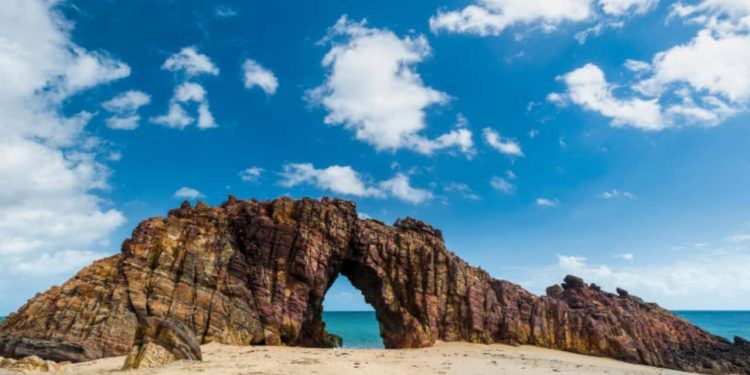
x: 383, y: 103
x: 251, y: 174
x: 721, y: 16
x: 400, y: 187
x: 188, y: 193
x: 701, y: 82
x: 345, y: 180
x: 715, y: 65
x: 622, y: 7
x: 258, y: 76
x: 178, y: 118
x: 492, y: 17
x: 338, y: 179
x: 505, y: 146
x: 190, y: 62
x: 588, y: 88
x: 124, y: 109
x: 50, y: 176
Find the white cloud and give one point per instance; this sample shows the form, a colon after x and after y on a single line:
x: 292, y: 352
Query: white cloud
x: 188, y: 193
x: 190, y: 61
x: 384, y: 104
x: 544, y: 202
x: 338, y: 179
x: 505, y: 146
x: 503, y: 185
x: 124, y: 109
x: 57, y: 263
x: 615, y: 194
x: 400, y: 187
x: 588, y: 88
x: 637, y: 66
x: 571, y: 262
x: 460, y: 138
x: 49, y: 173
x: 257, y: 75
x: 622, y: 7
x: 178, y: 118
x: 716, y: 65
x: 251, y: 174
x: 193, y: 64
x: 345, y: 180
x: 721, y: 16
x: 492, y: 17
x: 702, y: 82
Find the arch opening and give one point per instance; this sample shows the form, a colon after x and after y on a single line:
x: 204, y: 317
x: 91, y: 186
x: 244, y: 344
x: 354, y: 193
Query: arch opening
x: 347, y: 315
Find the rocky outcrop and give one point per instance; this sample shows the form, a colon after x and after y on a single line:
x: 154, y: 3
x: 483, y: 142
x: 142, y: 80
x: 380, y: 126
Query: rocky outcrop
x: 159, y: 342
x: 256, y: 273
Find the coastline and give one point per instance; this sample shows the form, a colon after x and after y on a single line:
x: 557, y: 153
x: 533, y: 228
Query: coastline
x: 443, y: 358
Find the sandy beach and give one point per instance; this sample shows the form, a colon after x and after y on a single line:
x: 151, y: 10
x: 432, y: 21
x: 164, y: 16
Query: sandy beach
x: 443, y: 358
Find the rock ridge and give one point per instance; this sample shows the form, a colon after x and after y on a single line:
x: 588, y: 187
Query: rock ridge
x: 252, y: 272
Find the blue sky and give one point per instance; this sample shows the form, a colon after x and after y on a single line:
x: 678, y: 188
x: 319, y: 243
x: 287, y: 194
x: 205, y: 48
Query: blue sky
x: 604, y: 138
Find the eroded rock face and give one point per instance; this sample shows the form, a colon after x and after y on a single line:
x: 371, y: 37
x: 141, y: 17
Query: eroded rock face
x: 256, y: 273
x: 159, y: 342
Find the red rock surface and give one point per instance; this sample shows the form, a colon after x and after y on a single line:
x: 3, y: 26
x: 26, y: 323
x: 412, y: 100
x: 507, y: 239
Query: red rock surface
x: 256, y: 273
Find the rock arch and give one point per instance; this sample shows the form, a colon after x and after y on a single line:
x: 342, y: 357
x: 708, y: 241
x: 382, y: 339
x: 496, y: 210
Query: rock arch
x: 256, y: 273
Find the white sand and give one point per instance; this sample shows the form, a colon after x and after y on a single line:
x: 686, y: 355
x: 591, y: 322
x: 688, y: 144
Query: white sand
x: 443, y: 358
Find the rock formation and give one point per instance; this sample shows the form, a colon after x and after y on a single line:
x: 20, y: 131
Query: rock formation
x: 30, y: 364
x: 158, y: 342
x: 256, y: 273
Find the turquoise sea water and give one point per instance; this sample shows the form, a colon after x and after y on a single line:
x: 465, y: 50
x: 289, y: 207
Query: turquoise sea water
x: 721, y: 323
x: 360, y: 328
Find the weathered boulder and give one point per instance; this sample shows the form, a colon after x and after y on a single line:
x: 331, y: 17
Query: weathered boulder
x: 250, y: 272
x: 159, y: 342
x: 30, y: 364
x: 334, y: 341
x: 554, y: 291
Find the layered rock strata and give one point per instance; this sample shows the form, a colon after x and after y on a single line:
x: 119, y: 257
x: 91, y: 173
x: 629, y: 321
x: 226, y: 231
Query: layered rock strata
x: 256, y: 273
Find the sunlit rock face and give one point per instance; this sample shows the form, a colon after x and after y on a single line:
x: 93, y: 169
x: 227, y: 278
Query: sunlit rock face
x: 256, y: 273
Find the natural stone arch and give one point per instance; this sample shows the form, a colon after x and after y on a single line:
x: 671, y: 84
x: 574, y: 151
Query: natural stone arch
x: 256, y: 273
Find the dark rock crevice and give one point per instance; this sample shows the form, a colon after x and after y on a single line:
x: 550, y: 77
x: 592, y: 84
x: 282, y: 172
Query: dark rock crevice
x: 250, y: 272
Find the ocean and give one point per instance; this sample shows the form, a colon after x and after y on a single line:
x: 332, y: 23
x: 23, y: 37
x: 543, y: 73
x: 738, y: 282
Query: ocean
x: 360, y: 329
x: 721, y: 323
